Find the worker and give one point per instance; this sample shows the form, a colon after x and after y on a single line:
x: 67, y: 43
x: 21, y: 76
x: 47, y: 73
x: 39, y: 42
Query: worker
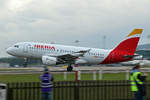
x: 138, y: 85
x: 46, y: 84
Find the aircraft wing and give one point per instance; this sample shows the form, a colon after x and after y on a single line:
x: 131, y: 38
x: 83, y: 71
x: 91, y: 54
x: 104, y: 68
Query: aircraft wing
x: 70, y: 57
x: 83, y: 51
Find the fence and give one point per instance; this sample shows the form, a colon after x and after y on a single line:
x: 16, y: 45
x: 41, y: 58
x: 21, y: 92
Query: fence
x: 70, y: 90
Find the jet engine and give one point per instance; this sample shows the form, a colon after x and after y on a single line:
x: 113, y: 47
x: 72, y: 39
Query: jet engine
x: 80, y: 61
x: 49, y: 60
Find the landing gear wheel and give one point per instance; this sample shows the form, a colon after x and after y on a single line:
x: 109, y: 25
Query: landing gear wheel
x: 69, y: 68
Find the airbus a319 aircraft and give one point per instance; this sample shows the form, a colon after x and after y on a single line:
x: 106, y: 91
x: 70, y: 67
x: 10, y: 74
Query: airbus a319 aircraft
x: 53, y: 54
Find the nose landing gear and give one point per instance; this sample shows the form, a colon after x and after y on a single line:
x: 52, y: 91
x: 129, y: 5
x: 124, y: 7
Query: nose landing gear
x: 25, y: 62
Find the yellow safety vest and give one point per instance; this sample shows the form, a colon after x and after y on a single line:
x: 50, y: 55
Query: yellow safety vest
x: 134, y: 81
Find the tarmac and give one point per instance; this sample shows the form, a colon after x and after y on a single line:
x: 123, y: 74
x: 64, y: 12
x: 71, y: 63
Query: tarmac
x: 83, y: 69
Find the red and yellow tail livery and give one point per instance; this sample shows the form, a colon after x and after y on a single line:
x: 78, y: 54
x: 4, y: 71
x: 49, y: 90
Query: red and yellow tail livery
x: 125, y: 48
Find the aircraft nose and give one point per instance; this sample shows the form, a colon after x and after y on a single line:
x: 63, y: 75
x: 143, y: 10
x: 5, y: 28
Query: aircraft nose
x: 9, y: 50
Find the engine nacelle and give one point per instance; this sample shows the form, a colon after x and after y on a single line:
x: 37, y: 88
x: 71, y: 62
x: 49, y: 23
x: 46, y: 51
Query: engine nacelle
x: 80, y: 61
x: 49, y: 60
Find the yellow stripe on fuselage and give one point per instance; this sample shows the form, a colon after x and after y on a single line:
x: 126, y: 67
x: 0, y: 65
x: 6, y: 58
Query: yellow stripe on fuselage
x: 135, y: 32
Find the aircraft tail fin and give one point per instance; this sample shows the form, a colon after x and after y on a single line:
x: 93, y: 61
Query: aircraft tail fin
x: 131, y: 42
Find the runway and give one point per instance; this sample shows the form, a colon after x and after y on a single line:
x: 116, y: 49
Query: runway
x: 85, y: 69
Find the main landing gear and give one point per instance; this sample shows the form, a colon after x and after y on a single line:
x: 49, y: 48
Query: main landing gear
x: 69, y: 68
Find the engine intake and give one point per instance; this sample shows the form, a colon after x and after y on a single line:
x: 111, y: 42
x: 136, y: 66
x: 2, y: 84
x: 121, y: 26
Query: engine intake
x: 49, y: 60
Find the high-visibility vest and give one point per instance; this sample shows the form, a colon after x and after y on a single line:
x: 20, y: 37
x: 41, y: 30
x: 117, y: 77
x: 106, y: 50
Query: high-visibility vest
x: 135, y: 81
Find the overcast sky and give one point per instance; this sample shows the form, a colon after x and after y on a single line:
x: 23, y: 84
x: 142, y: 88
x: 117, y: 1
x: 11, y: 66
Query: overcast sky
x: 64, y: 21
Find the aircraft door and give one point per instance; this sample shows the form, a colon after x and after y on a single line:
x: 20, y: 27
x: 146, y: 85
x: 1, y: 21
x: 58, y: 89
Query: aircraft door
x: 25, y: 48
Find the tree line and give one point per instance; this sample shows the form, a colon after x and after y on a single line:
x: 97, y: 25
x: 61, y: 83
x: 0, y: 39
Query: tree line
x: 12, y: 61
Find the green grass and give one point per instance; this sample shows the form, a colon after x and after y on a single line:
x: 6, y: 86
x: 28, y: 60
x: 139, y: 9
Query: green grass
x: 148, y: 66
x: 60, y: 77
x: 20, y: 78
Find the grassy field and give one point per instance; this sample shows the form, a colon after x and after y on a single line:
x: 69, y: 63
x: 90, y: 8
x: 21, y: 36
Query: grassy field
x: 60, y: 77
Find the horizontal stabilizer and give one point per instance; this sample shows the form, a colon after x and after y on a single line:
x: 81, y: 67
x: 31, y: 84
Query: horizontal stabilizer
x: 134, y: 57
x: 130, y: 56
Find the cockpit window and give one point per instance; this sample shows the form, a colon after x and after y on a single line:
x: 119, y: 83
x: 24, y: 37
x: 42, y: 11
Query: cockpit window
x: 17, y: 46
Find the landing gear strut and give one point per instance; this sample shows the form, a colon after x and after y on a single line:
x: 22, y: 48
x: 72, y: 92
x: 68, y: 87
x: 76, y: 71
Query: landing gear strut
x: 69, y: 68
x: 25, y: 62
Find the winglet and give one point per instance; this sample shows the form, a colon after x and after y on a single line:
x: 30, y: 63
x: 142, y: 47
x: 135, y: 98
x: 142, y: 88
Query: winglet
x: 135, y: 32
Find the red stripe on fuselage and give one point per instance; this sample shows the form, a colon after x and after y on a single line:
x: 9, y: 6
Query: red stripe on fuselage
x: 127, y: 47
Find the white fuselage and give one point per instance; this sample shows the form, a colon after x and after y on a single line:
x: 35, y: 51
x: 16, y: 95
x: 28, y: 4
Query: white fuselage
x: 31, y: 50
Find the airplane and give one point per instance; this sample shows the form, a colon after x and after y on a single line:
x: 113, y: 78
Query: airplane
x: 143, y: 62
x: 54, y: 54
x: 144, y: 52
